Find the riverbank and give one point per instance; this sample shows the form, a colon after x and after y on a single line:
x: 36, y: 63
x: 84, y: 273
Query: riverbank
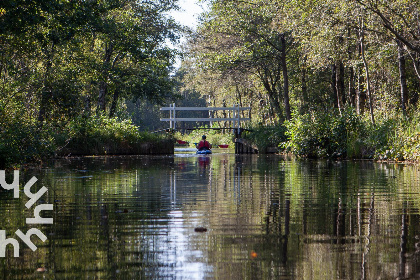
x: 150, y: 147
x: 345, y: 136
x: 24, y: 142
x: 314, y: 136
x: 330, y: 135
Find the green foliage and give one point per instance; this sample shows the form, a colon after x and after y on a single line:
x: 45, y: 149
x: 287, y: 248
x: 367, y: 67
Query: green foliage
x: 22, y: 141
x: 61, y: 58
x: 237, y: 51
x: 104, y: 135
x: 57, y: 56
x: 266, y: 136
x: 351, y: 136
x: 398, y: 139
x: 327, y: 135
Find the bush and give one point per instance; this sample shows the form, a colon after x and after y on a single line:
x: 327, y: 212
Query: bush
x: 21, y: 141
x: 24, y: 142
x: 266, y: 136
x: 398, y: 139
x: 103, y: 135
x: 324, y: 135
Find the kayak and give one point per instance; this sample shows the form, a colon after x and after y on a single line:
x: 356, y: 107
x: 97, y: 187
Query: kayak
x: 203, y: 152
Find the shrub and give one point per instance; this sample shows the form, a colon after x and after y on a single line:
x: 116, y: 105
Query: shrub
x: 266, y: 136
x: 398, y: 139
x: 326, y: 135
x: 22, y: 141
x: 103, y: 135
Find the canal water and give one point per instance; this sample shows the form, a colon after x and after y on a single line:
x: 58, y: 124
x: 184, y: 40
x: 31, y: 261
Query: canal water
x: 222, y: 216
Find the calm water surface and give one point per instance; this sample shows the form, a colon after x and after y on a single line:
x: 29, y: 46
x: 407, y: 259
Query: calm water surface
x: 219, y: 217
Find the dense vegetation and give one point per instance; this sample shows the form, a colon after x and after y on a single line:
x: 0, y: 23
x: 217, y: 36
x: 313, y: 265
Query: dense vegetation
x: 327, y: 78
x: 340, y: 78
x: 67, y: 67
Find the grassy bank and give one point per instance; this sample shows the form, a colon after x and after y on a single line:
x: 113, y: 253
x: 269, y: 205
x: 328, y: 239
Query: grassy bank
x: 24, y: 142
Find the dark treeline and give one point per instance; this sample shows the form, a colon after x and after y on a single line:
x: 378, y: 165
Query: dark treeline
x: 341, y: 77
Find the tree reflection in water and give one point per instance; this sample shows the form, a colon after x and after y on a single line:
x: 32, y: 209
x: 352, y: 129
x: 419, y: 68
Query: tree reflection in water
x: 265, y: 218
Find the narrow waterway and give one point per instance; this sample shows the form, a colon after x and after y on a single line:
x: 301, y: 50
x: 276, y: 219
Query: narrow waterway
x: 220, y: 216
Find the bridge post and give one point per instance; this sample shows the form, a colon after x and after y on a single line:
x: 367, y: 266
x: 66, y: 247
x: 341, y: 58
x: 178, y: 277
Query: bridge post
x: 173, y: 115
x: 170, y: 117
x: 238, y: 112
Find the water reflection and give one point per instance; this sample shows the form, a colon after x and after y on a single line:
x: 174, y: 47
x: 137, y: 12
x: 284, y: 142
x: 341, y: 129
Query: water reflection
x: 264, y: 217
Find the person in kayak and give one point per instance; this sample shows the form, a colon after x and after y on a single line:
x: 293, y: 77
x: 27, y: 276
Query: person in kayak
x: 204, y: 144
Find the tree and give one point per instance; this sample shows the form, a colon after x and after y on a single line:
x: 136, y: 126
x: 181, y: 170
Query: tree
x: 330, y: 32
x: 33, y: 34
x: 135, y: 59
x: 238, y: 40
x: 59, y: 55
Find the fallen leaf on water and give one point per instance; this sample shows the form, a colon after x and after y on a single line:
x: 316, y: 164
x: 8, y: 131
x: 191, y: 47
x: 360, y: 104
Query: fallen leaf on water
x: 253, y: 254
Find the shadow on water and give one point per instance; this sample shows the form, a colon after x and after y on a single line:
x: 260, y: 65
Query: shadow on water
x: 222, y: 216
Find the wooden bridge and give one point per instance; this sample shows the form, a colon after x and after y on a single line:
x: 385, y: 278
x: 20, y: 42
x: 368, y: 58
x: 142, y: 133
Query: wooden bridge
x: 241, y: 146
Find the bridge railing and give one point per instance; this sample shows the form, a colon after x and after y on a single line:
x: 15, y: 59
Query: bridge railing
x: 173, y: 119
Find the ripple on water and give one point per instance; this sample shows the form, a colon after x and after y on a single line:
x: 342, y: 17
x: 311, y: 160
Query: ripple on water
x: 264, y: 218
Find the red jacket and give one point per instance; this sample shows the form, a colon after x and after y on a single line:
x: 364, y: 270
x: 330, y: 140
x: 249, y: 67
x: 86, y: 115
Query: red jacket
x: 203, y: 144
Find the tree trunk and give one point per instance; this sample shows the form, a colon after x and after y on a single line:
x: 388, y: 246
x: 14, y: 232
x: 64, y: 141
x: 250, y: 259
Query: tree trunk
x: 275, y: 105
x: 87, y: 106
x: 340, y: 84
x: 352, y: 89
x: 337, y: 85
x: 46, y: 86
x: 285, y: 78
x: 103, y: 85
x: 103, y: 88
x: 45, y: 97
x: 336, y: 99
x: 271, y: 93
x: 304, y: 85
x: 361, y: 94
x: 362, y: 50
x: 416, y: 63
x: 114, y: 103
x: 403, y: 77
